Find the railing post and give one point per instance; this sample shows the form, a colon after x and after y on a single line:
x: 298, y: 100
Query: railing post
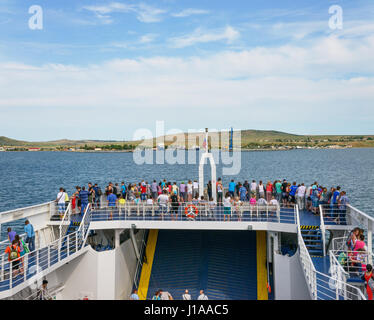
x: 25, y: 263
x: 322, y: 227
x: 68, y: 245
x: 2, y: 268
x: 49, y: 256
x: 10, y: 275
x: 76, y: 241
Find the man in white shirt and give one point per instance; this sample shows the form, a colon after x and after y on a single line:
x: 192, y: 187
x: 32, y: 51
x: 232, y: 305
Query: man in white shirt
x: 300, y: 196
x: 186, y: 295
x: 166, y: 295
x: 202, y: 296
x: 253, y: 186
x: 61, y: 201
x: 163, y: 200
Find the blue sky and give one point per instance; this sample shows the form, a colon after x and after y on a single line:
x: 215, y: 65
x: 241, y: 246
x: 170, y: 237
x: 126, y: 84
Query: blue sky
x: 102, y: 69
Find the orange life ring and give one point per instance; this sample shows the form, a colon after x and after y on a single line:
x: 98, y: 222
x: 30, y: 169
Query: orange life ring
x: 191, y: 211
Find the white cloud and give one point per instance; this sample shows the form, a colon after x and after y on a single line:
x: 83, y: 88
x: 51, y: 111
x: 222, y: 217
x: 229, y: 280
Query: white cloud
x: 144, y: 12
x: 189, y: 12
x: 266, y: 86
x: 147, y: 38
x: 229, y: 34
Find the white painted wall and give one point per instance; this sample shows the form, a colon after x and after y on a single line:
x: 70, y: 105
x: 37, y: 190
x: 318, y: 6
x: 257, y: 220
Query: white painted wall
x: 125, y: 270
x: 106, y: 275
x: 289, y: 281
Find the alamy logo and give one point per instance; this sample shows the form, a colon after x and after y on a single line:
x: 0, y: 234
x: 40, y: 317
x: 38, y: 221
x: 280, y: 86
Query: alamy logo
x: 177, y: 147
x: 36, y: 20
x: 336, y: 20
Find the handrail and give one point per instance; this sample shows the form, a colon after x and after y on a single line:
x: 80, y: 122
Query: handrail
x: 323, y: 230
x: 205, y: 212
x: 85, y: 223
x: 65, y: 217
x: 40, y: 260
x: 322, y: 286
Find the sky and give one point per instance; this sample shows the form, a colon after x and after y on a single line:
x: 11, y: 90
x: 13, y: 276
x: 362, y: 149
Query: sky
x: 104, y: 69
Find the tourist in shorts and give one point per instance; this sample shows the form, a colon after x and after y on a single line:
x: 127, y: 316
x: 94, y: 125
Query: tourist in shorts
x: 227, y: 207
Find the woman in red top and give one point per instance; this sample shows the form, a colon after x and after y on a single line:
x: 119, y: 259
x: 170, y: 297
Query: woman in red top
x: 368, y: 277
x: 269, y: 191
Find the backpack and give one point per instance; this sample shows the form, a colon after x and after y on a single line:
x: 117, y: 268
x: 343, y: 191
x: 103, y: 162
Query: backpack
x: 25, y: 247
x: 342, y: 259
x: 99, y: 192
x: 13, y: 252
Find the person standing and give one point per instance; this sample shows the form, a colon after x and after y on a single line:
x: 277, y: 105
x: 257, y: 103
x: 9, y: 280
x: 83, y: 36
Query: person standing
x: 189, y: 191
x: 195, y: 189
x: 243, y: 193
x: 261, y: 190
x: 163, y: 200
x: 11, y: 235
x: 174, y: 206
x: 61, y: 202
x: 83, y: 195
x: 30, y: 235
x: 232, y: 186
x: 300, y: 196
x: 134, y: 295
x: 182, y: 191
x: 165, y: 295
x: 209, y: 189
x: 202, y: 296
x: 154, y: 189
x: 219, y: 192
x: 112, y: 203
x: 227, y: 207
x: 186, y: 295
x: 43, y: 292
x: 278, y: 191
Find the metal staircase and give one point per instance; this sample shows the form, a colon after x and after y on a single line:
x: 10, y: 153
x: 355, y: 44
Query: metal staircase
x: 42, y: 261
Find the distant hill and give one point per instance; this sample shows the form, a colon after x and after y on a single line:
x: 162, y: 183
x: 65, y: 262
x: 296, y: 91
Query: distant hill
x: 249, y: 139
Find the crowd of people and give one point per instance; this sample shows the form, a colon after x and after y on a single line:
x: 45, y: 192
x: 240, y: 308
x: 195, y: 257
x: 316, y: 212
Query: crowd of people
x: 17, y: 247
x: 165, y: 295
x: 279, y: 192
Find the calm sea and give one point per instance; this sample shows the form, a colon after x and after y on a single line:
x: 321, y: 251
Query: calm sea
x: 29, y: 178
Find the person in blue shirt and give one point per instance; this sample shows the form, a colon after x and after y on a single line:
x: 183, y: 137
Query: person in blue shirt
x: 123, y: 190
x: 134, y: 295
x: 335, y: 196
x: 30, y: 235
x: 232, y: 186
x: 83, y: 195
x: 242, y: 192
x: 293, y: 192
x: 112, y: 202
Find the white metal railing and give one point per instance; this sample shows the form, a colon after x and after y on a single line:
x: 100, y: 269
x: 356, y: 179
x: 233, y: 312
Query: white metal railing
x: 6, y: 243
x: 333, y: 215
x: 196, y: 212
x: 48, y: 295
x: 85, y: 224
x: 140, y: 262
x: 323, y: 230
x: 322, y: 286
x: 64, y: 225
x: 352, y: 263
x: 42, y: 259
x: 339, y: 243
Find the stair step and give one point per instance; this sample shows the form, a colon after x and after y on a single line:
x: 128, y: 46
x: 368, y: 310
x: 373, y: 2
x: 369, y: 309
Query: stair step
x: 315, y: 251
x: 313, y: 246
